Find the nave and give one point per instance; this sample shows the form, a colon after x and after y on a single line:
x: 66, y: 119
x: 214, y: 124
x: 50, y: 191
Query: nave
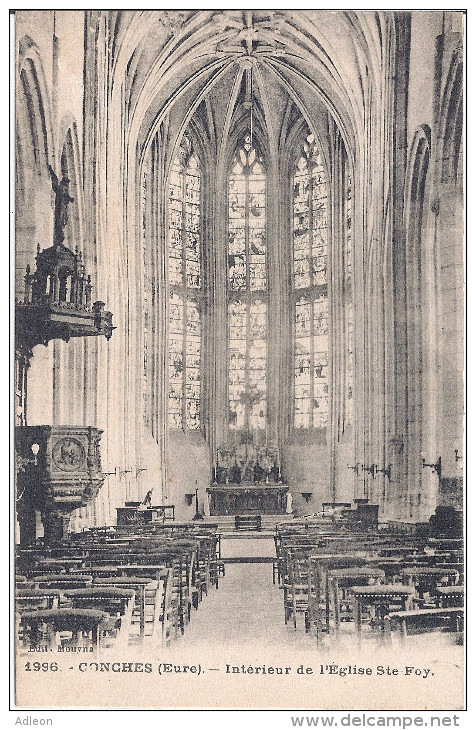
x: 221, y: 600
x: 306, y: 574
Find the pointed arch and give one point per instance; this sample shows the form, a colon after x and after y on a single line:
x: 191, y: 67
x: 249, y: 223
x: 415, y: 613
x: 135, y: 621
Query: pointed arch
x: 34, y: 154
x: 33, y: 104
x: 70, y: 163
x: 451, y: 121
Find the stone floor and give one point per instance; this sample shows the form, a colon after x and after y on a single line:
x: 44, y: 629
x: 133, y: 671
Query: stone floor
x: 246, y: 610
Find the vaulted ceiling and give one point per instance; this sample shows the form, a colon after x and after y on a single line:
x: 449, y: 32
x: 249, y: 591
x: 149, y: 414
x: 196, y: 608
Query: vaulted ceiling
x: 166, y: 63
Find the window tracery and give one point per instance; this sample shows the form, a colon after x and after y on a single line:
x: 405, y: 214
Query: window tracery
x: 311, y: 358
x: 247, y: 290
x: 185, y: 287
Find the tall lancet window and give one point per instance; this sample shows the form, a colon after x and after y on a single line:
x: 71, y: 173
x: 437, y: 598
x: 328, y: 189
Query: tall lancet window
x: 185, y: 288
x: 247, y: 290
x: 310, y: 290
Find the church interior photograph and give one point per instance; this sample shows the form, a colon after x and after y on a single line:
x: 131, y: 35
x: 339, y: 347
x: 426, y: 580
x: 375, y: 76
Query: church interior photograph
x: 239, y: 331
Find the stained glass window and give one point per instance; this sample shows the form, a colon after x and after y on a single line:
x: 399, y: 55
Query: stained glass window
x: 184, y: 274
x: 247, y: 286
x: 310, y: 287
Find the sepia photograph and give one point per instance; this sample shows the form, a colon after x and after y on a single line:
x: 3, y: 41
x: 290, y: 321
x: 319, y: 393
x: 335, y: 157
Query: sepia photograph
x: 239, y: 346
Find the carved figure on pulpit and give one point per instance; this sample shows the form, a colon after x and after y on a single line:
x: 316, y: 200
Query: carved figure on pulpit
x: 62, y: 200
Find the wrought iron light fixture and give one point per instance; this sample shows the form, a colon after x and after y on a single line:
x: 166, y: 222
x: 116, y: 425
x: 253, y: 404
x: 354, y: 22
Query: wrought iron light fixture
x: 436, y: 467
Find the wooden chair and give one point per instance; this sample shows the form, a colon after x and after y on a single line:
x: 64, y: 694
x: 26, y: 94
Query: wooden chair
x: 170, y: 571
x: 216, y: 564
x: 117, y: 602
x: 147, y: 608
x: 296, y: 587
x: 381, y: 600
x: 426, y: 579
x: 54, y: 565
x: 423, y: 619
x: 319, y: 610
x: 342, y: 580
x: 102, y: 571
x: 31, y: 597
x: 63, y: 627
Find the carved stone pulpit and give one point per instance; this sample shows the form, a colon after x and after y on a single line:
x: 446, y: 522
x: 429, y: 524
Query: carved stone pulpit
x: 58, y: 470
x: 57, y: 301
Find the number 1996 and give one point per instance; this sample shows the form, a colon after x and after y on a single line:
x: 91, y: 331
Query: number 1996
x: 41, y: 667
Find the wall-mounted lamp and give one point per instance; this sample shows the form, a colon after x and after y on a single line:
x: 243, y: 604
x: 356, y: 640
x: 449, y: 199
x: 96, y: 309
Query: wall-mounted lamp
x: 355, y: 468
x: 306, y: 496
x: 385, y: 471
x: 118, y: 472
x: 370, y: 469
x: 189, y: 499
x: 138, y: 471
x: 435, y: 467
x: 35, y: 449
x: 457, y: 456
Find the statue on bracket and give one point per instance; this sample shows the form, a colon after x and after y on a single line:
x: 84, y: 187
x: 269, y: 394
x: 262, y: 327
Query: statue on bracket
x: 62, y: 200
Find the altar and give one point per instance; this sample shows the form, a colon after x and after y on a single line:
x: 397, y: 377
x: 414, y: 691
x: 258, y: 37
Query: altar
x: 247, y: 480
x: 248, y: 499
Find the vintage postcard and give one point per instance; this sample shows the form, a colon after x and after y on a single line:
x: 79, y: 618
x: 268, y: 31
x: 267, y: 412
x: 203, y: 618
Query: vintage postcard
x: 239, y: 359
